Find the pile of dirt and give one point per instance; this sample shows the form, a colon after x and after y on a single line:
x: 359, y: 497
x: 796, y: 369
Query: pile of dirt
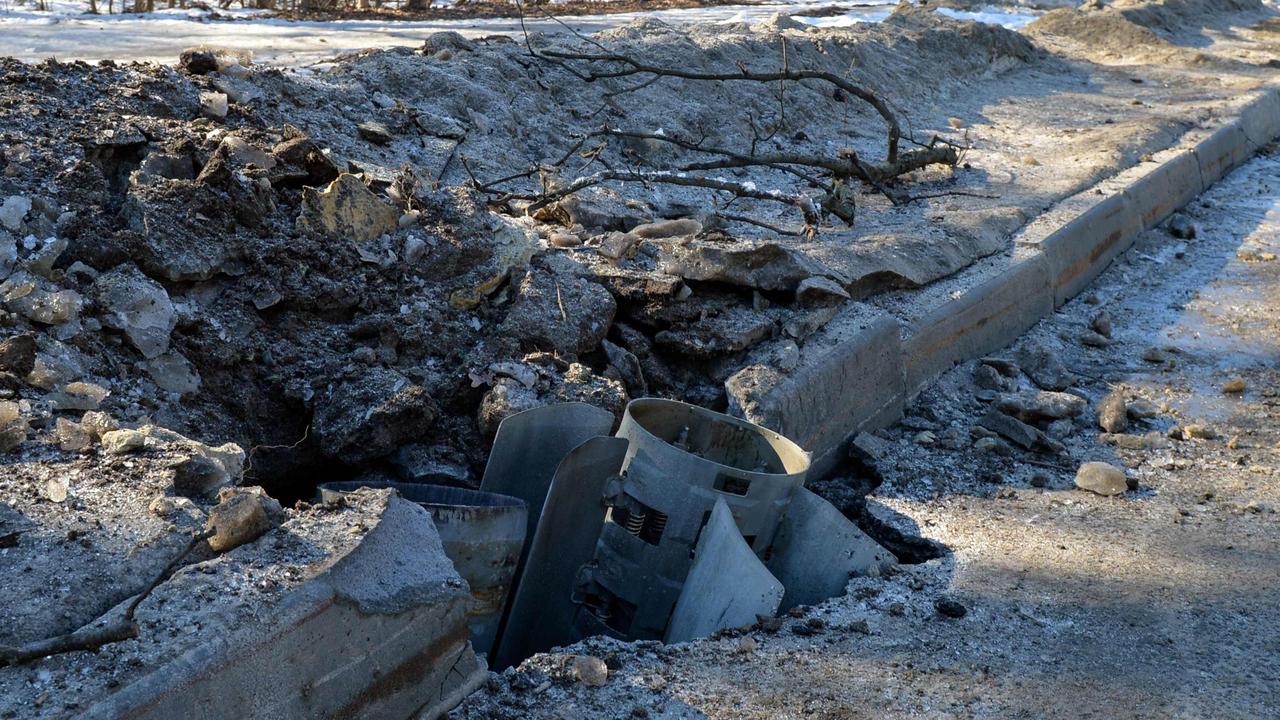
x: 296, y: 262
x: 1135, y: 31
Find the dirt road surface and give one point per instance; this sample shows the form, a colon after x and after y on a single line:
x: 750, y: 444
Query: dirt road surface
x: 1161, y: 602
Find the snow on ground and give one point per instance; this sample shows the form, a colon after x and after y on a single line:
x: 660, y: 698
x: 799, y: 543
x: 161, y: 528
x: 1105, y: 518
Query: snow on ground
x: 67, y: 33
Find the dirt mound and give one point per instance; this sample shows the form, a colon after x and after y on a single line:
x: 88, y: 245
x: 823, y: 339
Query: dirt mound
x: 1137, y: 31
x: 296, y: 262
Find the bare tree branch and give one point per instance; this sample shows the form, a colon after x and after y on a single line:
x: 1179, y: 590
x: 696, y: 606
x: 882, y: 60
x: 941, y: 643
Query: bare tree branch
x: 91, y: 638
x: 745, y: 190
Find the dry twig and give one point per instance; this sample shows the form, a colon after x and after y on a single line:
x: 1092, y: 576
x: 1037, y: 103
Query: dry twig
x: 89, y: 637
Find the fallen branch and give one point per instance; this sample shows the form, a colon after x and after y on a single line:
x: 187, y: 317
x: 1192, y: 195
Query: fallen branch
x: 90, y: 638
x: 632, y: 66
x: 758, y: 223
x: 744, y: 190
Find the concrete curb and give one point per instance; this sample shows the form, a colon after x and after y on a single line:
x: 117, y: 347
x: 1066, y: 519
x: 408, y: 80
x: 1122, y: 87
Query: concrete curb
x: 850, y: 378
x: 863, y: 382
x: 381, y: 633
x: 984, y: 319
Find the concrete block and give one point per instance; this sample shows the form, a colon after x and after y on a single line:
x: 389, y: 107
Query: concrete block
x: 1260, y: 119
x: 1080, y: 250
x: 1222, y: 151
x: 1173, y: 183
x: 984, y: 319
x: 850, y: 379
x: 381, y: 634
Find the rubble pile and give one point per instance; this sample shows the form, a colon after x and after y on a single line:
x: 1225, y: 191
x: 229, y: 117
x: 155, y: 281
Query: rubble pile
x: 297, y: 264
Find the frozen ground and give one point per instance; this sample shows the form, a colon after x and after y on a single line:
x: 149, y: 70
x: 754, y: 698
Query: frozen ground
x: 33, y: 36
x: 1161, y: 602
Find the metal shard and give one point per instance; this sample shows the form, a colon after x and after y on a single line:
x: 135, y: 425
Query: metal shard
x: 542, y: 611
x: 816, y: 550
x: 530, y: 445
x: 728, y: 586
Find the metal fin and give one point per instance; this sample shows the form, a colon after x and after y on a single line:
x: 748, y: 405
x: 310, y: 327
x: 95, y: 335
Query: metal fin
x: 530, y: 445
x: 541, y: 613
x: 727, y: 586
x: 816, y: 550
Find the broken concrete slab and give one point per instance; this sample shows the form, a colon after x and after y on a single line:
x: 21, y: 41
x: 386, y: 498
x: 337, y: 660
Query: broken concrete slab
x: 137, y: 306
x: 762, y: 266
x: 390, y: 613
x: 850, y: 378
x: 346, y: 209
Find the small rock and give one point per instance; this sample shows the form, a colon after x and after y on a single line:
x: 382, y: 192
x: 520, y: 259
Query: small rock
x: 371, y: 416
x: 1155, y: 355
x: 1198, y: 432
x: 12, y: 212
x: 375, y: 132
x: 1094, y: 339
x: 1038, y: 480
x: 1101, y: 478
x: 568, y: 314
x: 988, y: 378
x: 1060, y: 429
x: 1043, y: 364
x: 118, y: 442
x: 1234, y: 386
x: 1180, y: 226
x: 993, y: 445
x: 1141, y: 409
x: 214, y: 105
x: 78, y: 396
x: 1120, y: 440
x: 239, y: 517
x: 72, y: 437
x: 590, y: 670
x: 1007, y: 368
x: 197, y: 62
x: 1022, y: 434
x: 1101, y: 324
x: 162, y: 506
x: 55, y: 490
x: 199, y: 476
x: 1042, y: 405
x: 747, y: 644
x: 947, y: 607
x: 346, y: 210
x: 138, y: 306
x: 926, y: 438
x: 1154, y: 440
x: 862, y: 627
x: 819, y: 290
x: 18, y: 354
x: 98, y: 423
x: 615, y: 245
x: 564, y: 240
x: 1113, y: 413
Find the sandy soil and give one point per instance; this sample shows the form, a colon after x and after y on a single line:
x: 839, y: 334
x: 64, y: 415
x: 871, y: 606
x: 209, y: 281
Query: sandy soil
x: 1158, y: 603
